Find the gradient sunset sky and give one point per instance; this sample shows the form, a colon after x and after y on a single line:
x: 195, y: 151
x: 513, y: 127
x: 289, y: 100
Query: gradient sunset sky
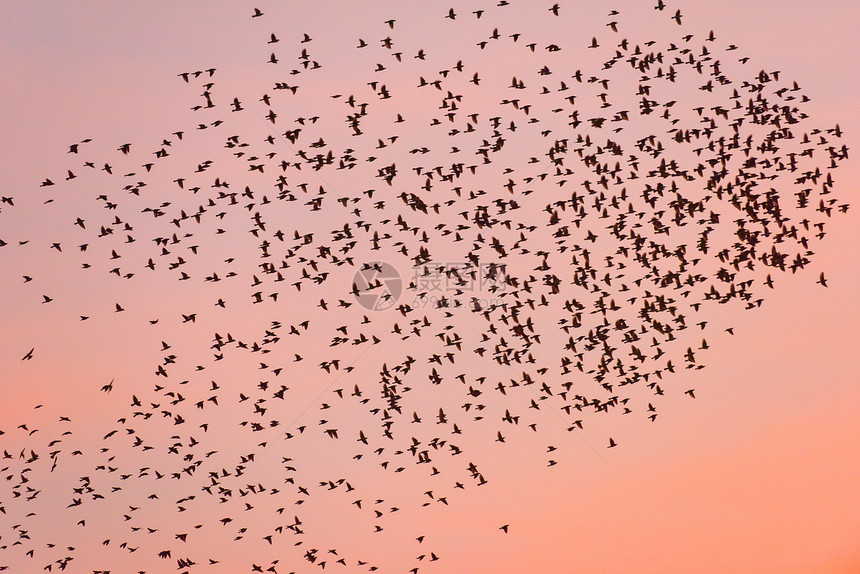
x: 757, y: 474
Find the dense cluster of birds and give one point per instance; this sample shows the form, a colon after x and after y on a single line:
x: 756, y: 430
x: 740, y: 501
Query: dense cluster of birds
x: 500, y: 242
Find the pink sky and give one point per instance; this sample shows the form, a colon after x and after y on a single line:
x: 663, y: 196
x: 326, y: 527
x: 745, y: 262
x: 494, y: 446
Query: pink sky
x: 758, y: 474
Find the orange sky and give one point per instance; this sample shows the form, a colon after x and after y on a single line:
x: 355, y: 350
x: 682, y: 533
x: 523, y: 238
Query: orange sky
x: 757, y: 474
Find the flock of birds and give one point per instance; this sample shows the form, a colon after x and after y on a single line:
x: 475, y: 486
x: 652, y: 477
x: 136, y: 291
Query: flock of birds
x: 559, y: 238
